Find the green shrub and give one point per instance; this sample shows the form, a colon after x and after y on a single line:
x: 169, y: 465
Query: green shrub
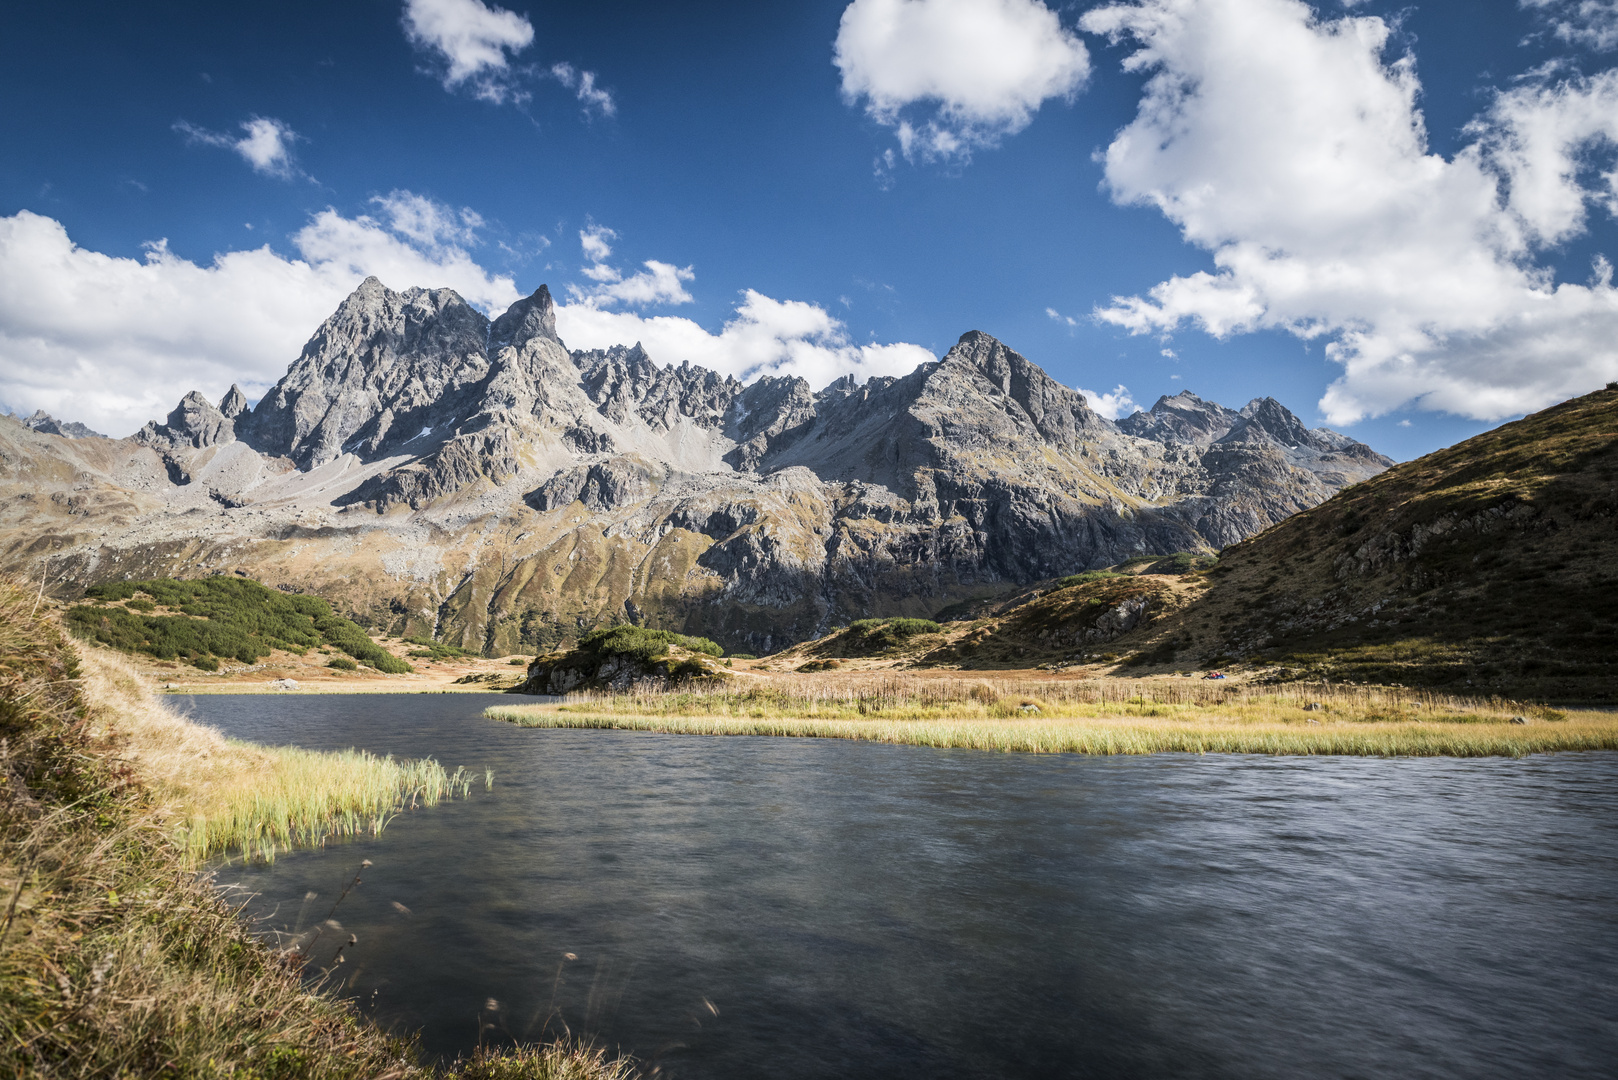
x: 437, y: 650
x: 1182, y: 562
x: 222, y: 617
x: 138, y: 604
x: 206, y: 663
x: 875, y: 635
x: 1087, y: 577
x: 342, y: 663
x: 642, y: 643
x: 743, y: 656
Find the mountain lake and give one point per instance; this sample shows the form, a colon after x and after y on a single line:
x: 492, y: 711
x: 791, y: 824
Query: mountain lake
x: 739, y: 907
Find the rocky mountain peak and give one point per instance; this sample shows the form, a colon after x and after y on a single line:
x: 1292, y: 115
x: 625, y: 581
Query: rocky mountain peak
x: 532, y: 316
x: 384, y: 369
x: 1185, y: 417
x: 194, y: 422
x: 234, y: 403
x: 1269, y: 418
x: 46, y: 424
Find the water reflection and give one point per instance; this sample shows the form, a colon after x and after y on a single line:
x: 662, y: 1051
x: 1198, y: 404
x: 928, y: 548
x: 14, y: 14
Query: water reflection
x: 740, y: 907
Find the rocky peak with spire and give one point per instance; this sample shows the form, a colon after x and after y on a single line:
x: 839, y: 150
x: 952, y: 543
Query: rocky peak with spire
x: 234, y: 403
x: 385, y: 369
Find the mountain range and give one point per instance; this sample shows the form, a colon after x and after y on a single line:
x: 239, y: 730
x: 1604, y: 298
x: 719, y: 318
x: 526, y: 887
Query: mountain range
x: 434, y: 471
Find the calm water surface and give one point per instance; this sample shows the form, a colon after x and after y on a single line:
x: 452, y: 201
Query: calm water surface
x: 743, y: 907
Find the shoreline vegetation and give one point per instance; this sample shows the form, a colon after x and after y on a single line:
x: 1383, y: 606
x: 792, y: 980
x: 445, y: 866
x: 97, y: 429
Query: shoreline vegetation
x: 1095, y: 716
x: 222, y: 796
x: 116, y: 957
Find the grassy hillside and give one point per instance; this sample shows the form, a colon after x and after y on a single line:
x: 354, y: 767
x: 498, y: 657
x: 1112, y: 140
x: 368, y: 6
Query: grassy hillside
x: 116, y: 958
x: 1063, y: 622
x: 1490, y: 566
x: 219, y: 618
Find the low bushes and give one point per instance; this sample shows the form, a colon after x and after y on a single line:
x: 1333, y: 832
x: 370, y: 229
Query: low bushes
x: 219, y: 618
x: 865, y: 636
x: 643, y: 644
x: 428, y: 649
x: 1087, y: 577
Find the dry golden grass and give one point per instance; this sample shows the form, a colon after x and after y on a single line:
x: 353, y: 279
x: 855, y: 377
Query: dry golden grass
x: 116, y: 958
x: 222, y: 795
x: 1096, y: 716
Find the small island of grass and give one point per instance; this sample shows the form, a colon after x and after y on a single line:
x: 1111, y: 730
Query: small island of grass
x: 1112, y: 716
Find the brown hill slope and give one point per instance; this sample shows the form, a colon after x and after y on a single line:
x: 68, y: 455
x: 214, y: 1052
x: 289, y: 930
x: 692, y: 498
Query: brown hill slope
x: 1492, y: 564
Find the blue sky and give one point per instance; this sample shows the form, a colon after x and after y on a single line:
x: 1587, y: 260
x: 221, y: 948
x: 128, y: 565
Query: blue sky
x: 770, y: 188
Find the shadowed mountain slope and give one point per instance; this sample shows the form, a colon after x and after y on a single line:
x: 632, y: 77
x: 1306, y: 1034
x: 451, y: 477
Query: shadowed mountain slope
x: 1491, y: 565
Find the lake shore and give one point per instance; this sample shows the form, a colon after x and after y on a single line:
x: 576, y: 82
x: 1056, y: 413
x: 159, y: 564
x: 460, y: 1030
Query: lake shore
x: 119, y: 958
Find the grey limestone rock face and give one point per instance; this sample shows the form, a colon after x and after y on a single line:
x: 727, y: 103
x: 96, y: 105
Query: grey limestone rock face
x: 771, y: 413
x: 234, y: 403
x: 385, y: 370
x: 1182, y: 418
x: 623, y: 381
x: 606, y: 485
x: 195, y: 423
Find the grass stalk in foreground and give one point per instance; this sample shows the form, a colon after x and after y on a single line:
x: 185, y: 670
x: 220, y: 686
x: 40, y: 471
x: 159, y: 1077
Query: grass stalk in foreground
x: 116, y: 960
x: 1098, y: 717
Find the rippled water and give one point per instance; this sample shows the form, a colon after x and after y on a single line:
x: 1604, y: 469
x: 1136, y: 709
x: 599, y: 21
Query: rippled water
x: 859, y: 910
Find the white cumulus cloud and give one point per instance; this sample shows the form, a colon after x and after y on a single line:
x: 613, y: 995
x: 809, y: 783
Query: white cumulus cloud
x: 1291, y: 148
x: 953, y: 75
x: 113, y: 342
x: 266, y: 144
x: 596, y: 242
x: 765, y: 337
x: 1113, y: 405
x: 658, y: 283
x: 473, y: 40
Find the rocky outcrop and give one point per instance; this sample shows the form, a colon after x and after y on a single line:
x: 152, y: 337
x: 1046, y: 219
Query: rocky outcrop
x: 194, y: 423
x: 46, y: 424
x: 1182, y: 418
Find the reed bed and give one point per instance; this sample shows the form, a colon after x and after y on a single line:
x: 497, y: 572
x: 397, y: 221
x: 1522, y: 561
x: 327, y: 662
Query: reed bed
x: 917, y: 697
x: 1097, y: 716
x: 1102, y: 736
x: 223, y: 796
